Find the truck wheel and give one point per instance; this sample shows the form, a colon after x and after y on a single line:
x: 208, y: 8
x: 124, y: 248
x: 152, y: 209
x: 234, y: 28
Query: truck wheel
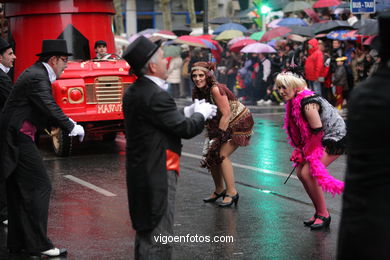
x: 62, y: 142
x: 110, y: 137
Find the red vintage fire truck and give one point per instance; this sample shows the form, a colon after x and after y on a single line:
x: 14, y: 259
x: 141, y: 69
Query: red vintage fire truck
x: 89, y: 91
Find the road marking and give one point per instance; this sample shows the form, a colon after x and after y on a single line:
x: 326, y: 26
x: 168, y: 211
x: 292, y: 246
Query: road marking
x: 245, y: 167
x: 270, y: 114
x: 90, y: 185
x: 235, y: 164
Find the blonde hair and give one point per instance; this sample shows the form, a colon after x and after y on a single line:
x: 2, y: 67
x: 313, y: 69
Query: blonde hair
x: 290, y: 80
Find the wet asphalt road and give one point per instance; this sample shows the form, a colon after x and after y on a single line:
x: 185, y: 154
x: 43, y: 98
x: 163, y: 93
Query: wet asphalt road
x: 93, y: 222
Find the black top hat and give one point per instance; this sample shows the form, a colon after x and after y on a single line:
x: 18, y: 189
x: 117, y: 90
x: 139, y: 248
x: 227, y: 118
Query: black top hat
x: 139, y: 53
x: 100, y: 42
x: 384, y: 35
x: 4, y: 45
x: 54, y: 47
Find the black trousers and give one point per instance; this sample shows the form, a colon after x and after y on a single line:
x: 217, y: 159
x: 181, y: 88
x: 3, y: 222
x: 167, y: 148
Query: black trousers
x: 28, y: 194
x: 146, y: 247
x: 3, y: 202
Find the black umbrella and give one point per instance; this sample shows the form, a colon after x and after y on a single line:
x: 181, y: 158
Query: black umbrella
x: 221, y: 20
x: 367, y: 27
x: 182, y: 30
x: 306, y: 31
x: 332, y: 26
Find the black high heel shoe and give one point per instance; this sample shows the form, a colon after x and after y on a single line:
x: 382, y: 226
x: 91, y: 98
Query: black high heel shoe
x: 217, y: 196
x: 229, y: 204
x: 310, y: 222
x: 325, y: 223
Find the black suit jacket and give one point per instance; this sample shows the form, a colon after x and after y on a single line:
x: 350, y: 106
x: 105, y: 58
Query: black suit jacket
x: 30, y: 99
x: 153, y: 125
x: 5, y: 87
x: 365, y: 227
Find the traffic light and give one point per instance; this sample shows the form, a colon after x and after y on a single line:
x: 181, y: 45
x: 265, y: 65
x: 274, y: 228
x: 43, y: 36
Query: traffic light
x: 265, y: 9
x: 262, y: 6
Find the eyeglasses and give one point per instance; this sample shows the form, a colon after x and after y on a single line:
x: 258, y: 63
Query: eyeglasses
x: 65, y: 60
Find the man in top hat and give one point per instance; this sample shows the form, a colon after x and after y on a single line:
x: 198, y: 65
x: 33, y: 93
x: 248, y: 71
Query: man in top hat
x: 365, y: 227
x: 7, y: 58
x: 31, y: 107
x: 154, y: 128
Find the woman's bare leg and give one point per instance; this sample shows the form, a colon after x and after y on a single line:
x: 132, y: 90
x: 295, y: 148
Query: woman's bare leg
x: 226, y: 169
x: 218, y: 181
x: 313, y: 189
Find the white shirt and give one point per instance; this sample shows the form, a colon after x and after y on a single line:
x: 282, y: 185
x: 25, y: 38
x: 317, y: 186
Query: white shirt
x: 52, y: 75
x: 4, y: 68
x: 266, y: 69
x: 159, y: 82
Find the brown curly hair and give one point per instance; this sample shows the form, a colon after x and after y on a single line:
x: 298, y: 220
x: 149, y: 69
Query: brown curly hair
x: 210, y: 77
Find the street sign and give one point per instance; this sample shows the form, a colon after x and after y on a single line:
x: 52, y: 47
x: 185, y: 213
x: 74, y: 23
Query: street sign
x: 362, y: 6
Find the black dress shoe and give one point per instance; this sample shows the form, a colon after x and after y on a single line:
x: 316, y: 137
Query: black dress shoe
x: 309, y: 222
x: 15, y: 250
x: 230, y: 203
x: 217, y: 196
x: 325, y: 223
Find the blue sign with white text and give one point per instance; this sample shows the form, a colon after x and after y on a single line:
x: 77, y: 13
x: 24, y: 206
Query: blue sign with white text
x: 362, y: 6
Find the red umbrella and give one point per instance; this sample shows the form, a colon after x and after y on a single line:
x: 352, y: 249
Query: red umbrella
x: 191, y: 40
x: 326, y: 3
x: 241, y: 44
x: 206, y: 36
x: 369, y: 40
x: 215, y: 48
x: 276, y: 32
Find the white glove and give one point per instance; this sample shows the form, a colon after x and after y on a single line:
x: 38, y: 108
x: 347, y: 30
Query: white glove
x: 189, y: 110
x: 78, y: 130
x: 74, y: 122
x: 206, y: 109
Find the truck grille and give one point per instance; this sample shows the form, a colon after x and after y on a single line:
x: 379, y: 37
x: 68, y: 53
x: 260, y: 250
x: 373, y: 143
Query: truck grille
x: 106, y: 90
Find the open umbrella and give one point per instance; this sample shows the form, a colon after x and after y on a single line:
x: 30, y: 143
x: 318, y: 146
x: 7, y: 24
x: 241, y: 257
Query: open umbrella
x: 326, y: 3
x: 306, y: 31
x: 274, y: 23
x: 296, y: 6
x: 182, y: 30
x: 191, y: 41
x: 241, y: 44
x: 257, y: 35
x: 342, y: 35
x: 165, y: 34
x: 276, y: 32
x: 230, y: 26
x: 292, y: 21
x: 332, y: 26
x: 228, y: 35
x: 234, y: 40
x: 296, y: 38
x: 367, y: 27
x: 368, y: 31
x: 369, y: 40
x: 221, y: 20
x: 258, y: 48
x: 148, y: 31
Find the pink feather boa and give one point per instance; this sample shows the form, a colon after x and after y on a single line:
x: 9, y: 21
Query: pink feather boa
x: 301, y: 137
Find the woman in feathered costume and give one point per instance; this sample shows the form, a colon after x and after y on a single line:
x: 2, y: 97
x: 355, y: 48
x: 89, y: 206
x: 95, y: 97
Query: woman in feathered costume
x: 317, y: 133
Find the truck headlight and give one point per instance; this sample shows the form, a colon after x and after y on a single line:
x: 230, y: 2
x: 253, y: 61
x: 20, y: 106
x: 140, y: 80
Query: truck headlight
x: 76, y: 95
